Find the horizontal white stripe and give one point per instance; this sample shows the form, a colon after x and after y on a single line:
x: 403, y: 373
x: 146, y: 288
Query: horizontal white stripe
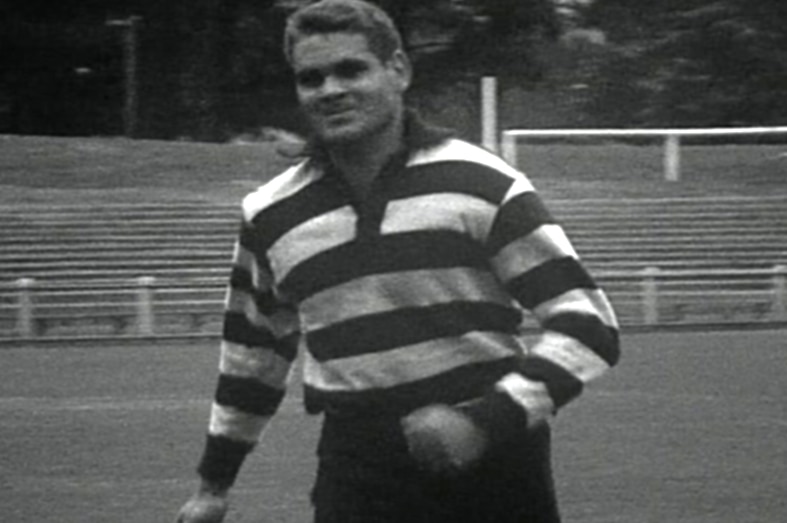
x: 407, y: 364
x: 257, y: 363
x: 521, y: 185
x: 571, y: 355
x: 281, y: 324
x: 532, y: 396
x: 234, y: 424
x: 546, y: 243
x: 386, y: 292
x: 280, y: 187
x: 319, y: 234
x: 459, y: 150
x: 457, y: 212
x: 584, y: 301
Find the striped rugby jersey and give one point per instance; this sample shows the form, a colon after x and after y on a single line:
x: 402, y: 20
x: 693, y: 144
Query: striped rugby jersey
x: 413, y: 296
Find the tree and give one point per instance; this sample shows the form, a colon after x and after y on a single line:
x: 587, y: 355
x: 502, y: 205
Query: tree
x: 58, y: 74
x: 461, y: 38
x: 212, y: 68
x: 696, y: 62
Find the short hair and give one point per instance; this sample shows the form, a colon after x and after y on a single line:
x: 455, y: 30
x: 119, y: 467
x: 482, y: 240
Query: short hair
x: 344, y: 16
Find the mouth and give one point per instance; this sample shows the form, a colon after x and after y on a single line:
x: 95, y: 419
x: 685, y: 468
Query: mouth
x: 337, y: 118
x: 334, y: 118
x: 334, y: 108
x: 336, y: 112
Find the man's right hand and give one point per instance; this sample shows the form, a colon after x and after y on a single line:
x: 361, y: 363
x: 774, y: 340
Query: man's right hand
x: 204, y: 507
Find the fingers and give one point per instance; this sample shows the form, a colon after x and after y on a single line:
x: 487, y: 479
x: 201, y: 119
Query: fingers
x: 203, y: 508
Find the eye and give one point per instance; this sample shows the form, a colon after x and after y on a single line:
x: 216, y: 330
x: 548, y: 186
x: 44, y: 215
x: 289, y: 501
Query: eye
x: 351, y: 70
x: 309, y: 79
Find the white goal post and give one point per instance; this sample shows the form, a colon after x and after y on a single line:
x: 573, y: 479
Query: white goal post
x: 671, y: 139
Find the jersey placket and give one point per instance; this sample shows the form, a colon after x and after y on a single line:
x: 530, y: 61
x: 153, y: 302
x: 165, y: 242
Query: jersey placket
x: 370, y: 209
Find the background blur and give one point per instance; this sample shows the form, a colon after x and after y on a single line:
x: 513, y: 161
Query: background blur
x: 211, y: 70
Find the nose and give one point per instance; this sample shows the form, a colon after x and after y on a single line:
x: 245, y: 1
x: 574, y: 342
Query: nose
x: 332, y: 86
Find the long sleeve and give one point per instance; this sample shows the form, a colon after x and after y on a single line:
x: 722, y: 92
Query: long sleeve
x: 535, y: 261
x: 258, y: 348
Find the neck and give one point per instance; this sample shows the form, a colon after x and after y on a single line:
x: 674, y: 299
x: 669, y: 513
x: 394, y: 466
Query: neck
x: 361, y: 161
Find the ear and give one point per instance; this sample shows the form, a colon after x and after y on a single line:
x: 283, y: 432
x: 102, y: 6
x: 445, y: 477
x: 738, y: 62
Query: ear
x: 400, y: 64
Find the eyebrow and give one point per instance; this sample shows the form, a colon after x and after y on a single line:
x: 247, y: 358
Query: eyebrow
x: 343, y: 63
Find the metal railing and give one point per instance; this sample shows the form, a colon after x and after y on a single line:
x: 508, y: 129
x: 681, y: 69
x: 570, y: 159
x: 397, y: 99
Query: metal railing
x: 140, y: 307
x: 148, y: 307
x: 667, y: 297
x: 671, y: 137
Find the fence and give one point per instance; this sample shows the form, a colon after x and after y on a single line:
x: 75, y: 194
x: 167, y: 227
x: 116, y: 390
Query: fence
x: 139, y: 307
x: 671, y: 137
x: 149, y: 307
x: 659, y: 297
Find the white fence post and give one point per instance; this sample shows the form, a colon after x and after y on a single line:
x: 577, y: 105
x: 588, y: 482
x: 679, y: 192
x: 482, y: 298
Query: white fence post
x: 25, y: 325
x: 672, y: 158
x: 779, y: 308
x: 489, y: 113
x: 508, y: 148
x: 650, y: 295
x: 145, y: 318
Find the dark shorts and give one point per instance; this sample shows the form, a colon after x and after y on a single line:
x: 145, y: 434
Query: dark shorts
x: 366, y: 476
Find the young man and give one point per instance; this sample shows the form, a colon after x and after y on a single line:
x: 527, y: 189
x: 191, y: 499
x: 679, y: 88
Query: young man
x: 401, y: 261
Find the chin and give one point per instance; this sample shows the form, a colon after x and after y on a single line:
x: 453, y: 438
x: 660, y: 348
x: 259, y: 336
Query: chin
x: 340, y: 135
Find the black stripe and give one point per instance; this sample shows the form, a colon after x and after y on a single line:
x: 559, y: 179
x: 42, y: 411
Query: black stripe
x: 248, y: 395
x: 590, y: 331
x: 240, y: 278
x: 517, y: 218
x: 221, y: 459
x: 457, y: 176
x: 265, y: 300
x: 251, y: 241
x: 249, y: 238
x: 549, y: 280
x: 380, y: 332
x: 390, y: 253
x: 272, y: 223
x: 561, y: 384
x: 238, y: 329
x: 268, y: 304
x: 455, y: 386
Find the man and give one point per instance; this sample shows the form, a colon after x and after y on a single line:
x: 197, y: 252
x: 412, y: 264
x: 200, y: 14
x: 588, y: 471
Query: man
x: 401, y: 260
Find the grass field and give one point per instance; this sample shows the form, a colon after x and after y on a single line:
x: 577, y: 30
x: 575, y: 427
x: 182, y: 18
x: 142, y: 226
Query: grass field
x: 92, y: 171
x: 44, y: 170
x: 689, y: 428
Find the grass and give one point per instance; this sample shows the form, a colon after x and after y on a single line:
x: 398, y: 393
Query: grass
x: 43, y: 170
x: 689, y: 428
x: 618, y: 170
x: 46, y: 170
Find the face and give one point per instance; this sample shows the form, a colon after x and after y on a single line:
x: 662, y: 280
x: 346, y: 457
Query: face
x: 346, y: 92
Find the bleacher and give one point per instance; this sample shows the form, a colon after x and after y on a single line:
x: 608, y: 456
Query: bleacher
x: 685, y: 260
x: 91, y: 271
x: 159, y: 270
x: 117, y: 241
x: 678, y: 233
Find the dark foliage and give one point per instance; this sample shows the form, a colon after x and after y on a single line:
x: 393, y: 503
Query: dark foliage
x: 208, y: 69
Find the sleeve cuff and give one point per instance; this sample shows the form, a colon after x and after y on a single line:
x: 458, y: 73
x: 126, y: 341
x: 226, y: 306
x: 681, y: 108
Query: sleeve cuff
x: 499, y: 416
x: 222, y: 459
